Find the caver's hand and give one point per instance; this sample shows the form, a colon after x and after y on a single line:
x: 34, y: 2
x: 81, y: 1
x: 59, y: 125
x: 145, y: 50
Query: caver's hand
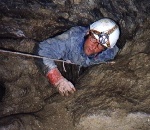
x: 63, y: 85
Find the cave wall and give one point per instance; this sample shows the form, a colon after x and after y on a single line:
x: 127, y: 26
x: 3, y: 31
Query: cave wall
x: 108, y: 96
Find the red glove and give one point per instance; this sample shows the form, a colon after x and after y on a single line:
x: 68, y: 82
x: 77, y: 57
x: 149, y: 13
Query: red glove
x: 63, y: 85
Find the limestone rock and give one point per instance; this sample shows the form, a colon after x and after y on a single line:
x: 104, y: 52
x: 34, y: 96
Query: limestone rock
x: 109, y: 96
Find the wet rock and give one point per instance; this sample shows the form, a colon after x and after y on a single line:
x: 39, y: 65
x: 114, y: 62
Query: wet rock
x: 115, y: 120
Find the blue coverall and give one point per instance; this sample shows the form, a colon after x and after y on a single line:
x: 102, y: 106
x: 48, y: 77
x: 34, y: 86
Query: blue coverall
x: 69, y: 46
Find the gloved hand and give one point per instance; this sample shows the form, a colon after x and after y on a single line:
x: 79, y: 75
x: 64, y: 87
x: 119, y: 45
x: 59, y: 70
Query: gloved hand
x: 63, y: 85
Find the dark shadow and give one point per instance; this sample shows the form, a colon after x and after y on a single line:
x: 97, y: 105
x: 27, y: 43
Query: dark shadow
x: 2, y: 90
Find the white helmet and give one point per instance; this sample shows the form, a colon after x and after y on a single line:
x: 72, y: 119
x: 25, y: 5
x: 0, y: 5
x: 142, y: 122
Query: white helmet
x: 106, y: 31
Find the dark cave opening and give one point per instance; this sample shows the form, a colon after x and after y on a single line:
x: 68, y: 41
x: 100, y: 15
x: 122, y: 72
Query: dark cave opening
x: 2, y: 90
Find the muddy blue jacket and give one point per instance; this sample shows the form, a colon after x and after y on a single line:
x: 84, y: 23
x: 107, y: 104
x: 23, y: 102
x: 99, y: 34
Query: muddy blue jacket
x: 69, y: 46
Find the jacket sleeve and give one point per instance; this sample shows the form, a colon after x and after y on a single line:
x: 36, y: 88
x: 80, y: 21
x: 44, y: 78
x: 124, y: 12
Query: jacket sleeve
x: 53, y: 48
x: 105, y: 56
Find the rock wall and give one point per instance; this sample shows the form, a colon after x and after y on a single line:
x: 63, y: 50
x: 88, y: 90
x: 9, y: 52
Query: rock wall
x: 108, y: 97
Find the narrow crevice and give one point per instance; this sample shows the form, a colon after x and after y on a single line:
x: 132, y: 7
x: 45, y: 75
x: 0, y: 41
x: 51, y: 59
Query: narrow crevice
x: 2, y: 90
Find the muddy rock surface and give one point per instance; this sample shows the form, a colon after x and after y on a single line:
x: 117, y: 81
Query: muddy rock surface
x: 109, y: 96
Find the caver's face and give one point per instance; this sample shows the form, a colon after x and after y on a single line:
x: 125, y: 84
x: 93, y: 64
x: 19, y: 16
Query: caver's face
x: 92, y: 46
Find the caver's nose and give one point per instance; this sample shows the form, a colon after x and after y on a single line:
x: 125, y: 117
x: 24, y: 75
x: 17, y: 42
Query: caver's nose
x: 93, y: 46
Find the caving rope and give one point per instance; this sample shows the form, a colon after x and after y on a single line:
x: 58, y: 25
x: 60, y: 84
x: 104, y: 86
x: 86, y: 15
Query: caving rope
x: 41, y: 57
x: 35, y: 56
